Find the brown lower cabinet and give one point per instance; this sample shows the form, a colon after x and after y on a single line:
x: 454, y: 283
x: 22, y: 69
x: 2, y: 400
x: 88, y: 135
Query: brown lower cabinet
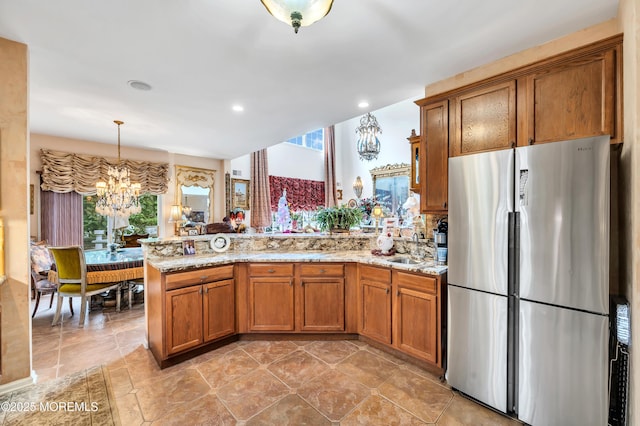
x: 187, y: 310
x: 296, y: 297
x: 191, y: 311
x: 403, y: 310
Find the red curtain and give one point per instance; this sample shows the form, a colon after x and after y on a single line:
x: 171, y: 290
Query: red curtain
x: 302, y: 194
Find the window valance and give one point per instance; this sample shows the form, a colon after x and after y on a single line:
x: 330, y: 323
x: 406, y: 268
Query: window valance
x: 302, y: 194
x: 66, y: 172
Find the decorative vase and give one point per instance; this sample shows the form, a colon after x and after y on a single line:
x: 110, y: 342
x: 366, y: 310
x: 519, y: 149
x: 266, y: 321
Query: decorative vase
x: 385, y: 243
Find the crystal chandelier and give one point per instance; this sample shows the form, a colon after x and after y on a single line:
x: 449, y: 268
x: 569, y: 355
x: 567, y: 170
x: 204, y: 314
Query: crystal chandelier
x: 368, y: 143
x: 298, y: 13
x: 118, y: 196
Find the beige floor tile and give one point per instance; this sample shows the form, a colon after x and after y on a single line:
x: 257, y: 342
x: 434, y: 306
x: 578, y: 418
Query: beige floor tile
x: 265, y: 352
x: 416, y: 394
x: 159, y: 396
x: 298, y: 368
x: 289, y: 411
x: 129, y: 410
x: 461, y: 412
x: 331, y: 352
x: 379, y: 411
x: 207, y: 410
x: 334, y: 394
x: 226, y: 367
x: 43, y: 360
x: 367, y: 368
x: 120, y: 381
x: 246, y: 382
x: 252, y: 393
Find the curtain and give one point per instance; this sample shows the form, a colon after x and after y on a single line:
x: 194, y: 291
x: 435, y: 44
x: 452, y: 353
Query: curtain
x: 331, y: 199
x: 259, y: 189
x: 302, y: 194
x: 65, y: 172
x: 61, y: 218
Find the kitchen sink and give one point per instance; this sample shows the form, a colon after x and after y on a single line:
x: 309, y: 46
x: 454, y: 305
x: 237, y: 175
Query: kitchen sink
x: 404, y: 260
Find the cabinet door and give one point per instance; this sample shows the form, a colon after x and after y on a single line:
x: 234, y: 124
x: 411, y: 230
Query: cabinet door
x: 376, y: 310
x: 321, y: 304
x: 433, y: 157
x: 572, y: 100
x: 271, y: 304
x: 414, y: 141
x: 219, y: 312
x: 416, y: 323
x: 183, y: 318
x: 485, y: 119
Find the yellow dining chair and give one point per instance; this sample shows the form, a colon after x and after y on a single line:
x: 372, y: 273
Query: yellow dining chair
x: 72, y: 280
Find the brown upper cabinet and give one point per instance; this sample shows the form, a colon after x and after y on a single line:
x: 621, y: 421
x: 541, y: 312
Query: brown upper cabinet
x: 573, y: 95
x: 572, y: 100
x: 484, y: 119
x: 434, y: 153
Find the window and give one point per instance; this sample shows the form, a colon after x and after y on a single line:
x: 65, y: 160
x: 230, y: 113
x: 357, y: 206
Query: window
x: 312, y: 140
x: 95, y: 225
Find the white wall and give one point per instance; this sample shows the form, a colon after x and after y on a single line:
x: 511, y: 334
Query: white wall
x: 289, y: 160
x: 396, y: 121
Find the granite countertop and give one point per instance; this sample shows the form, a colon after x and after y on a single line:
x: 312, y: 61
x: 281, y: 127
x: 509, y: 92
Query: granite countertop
x: 182, y: 263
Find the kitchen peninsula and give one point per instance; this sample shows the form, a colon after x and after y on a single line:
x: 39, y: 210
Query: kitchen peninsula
x: 293, y: 286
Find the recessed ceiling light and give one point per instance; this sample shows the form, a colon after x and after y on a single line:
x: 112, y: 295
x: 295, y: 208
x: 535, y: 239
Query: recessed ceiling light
x: 237, y: 108
x: 363, y: 104
x: 139, y: 85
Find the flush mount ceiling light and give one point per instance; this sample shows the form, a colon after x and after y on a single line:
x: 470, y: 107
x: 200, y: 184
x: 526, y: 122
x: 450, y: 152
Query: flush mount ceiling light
x: 139, y: 85
x: 368, y: 142
x: 363, y: 104
x: 298, y: 13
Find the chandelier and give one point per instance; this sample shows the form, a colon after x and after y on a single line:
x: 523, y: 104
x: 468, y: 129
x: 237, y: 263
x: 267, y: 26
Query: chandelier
x: 118, y: 196
x: 298, y: 13
x: 368, y: 143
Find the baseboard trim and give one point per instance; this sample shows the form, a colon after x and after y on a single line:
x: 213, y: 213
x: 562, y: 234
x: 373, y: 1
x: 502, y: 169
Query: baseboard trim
x: 19, y: 384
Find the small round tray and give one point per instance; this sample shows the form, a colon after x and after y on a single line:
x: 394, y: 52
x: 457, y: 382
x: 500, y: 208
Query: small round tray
x: 220, y: 243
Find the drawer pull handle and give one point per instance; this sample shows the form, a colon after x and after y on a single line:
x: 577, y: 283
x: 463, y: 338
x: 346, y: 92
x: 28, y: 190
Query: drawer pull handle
x: 204, y: 277
x: 200, y: 290
x: 206, y: 290
x: 322, y: 271
x: 271, y: 271
x: 290, y: 283
x: 387, y: 290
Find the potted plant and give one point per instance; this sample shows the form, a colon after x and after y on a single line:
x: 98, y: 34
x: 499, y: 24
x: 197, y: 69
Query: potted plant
x: 338, y: 219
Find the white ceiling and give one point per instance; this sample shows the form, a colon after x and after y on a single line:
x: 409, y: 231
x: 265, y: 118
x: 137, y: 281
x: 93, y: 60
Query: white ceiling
x: 203, y: 56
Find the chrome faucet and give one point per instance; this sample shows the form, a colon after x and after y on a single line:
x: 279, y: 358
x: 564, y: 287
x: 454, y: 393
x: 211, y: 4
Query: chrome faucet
x: 416, y: 254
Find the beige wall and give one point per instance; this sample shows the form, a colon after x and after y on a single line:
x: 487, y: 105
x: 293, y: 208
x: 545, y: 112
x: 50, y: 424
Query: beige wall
x: 628, y: 182
x: 39, y: 141
x: 580, y: 38
x: 628, y: 14
x: 15, y: 325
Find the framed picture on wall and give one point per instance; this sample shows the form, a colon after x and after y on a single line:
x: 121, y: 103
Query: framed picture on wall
x: 240, y: 194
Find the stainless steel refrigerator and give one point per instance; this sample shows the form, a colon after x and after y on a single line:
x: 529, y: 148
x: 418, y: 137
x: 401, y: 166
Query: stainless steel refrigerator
x: 529, y: 280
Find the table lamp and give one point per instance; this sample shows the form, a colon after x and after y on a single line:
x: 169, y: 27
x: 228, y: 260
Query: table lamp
x: 175, y: 217
x: 377, y: 213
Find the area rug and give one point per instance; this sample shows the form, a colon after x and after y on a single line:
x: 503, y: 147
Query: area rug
x: 83, y: 398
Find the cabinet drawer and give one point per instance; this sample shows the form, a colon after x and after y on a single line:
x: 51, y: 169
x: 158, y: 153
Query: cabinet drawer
x: 321, y: 269
x: 425, y: 283
x: 271, y: 269
x: 200, y: 276
x: 373, y: 273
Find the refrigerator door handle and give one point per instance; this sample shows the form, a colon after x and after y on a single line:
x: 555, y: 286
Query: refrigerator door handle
x: 513, y: 257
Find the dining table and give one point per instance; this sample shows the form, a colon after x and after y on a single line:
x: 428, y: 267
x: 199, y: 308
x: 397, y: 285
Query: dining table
x: 105, y: 266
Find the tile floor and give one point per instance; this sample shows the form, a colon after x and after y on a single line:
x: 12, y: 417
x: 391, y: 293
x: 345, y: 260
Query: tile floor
x: 249, y: 382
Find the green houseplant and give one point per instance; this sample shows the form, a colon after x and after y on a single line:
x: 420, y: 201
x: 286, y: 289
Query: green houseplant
x: 338, y: 219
